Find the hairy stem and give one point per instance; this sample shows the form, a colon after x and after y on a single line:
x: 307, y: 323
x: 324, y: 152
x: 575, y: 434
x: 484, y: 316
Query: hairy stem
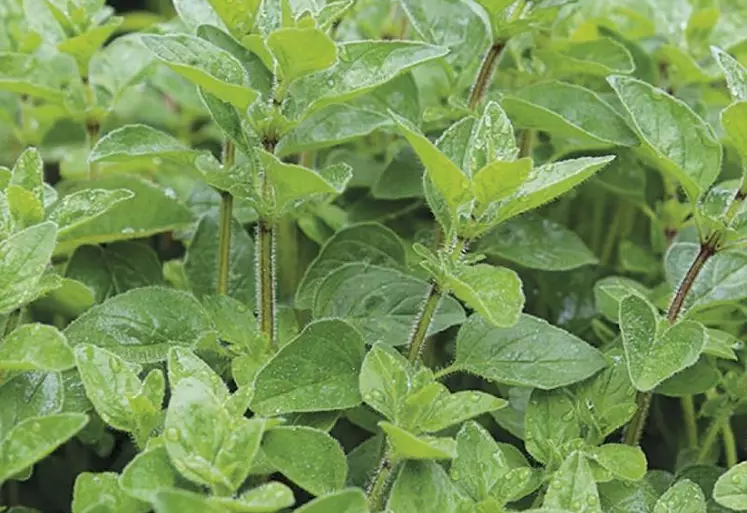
x: 376, y: 490
x: 226, y: 215
x: 266, y: 278
x: 612, y: 234
x: 691, y: 425
x: 730, y: 444
x: 486, y: 72
x: 425, y: 318
x: 707, y: 250
x: 710, y: 438
x: 526, y: 143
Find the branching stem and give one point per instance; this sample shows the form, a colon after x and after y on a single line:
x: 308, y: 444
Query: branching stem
x: 425, y: 318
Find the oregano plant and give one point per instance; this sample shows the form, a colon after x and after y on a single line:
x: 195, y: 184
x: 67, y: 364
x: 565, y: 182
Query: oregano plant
x: 373, y: 256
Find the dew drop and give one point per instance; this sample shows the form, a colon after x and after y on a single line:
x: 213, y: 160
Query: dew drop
x: 172, y: 434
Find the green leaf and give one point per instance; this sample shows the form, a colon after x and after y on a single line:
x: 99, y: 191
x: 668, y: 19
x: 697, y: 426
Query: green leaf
x: 236, y: 324
x: 140, y: 142
x: 609, y: 291
x: 675, y: 139
x: 537, y: 243
x: 497, y: 181
x: 83, y: 46
x: 656, y: 352
x: 350, y: 500
x: 205, y: 64
x: 568, y: 110
x: 316, y: 371
x: 184, y: 364
x: 265, y: 498
x: 117, y: 394
x: 385, y: 380
x: 531, y: 353
x: 83, y: 206
x: 140, y: 325
x: 733, y: 120
x: 368, y: 242
x: 235, y: 126
x: 28, y: 170
x: 114, y: 269
x: 103, y: 488
x: 183, y: 501
x: 332, y: 125
x: 494, y: 292
x: 551, y: 425
x: 407, y: 446
x: 292, y: 183
x: 194, y: 13
x: 203, y: 253
x: 310, y: 458
x: 547, y: 182
x: 622, y: 461
x: 118, y: 65
x: 479, y: 463
x: 572, y: 487
x: 300, y: 51
x: 721, y: 280
x: 239, y: 18
x: 424, y: 487
x: 361, y: 66
x: 152, y: 210
x: 598, y: 57
x: 29, y: 394
x: 23, y: 259
x: 684, y: 497
x: 448, y: 179
x: 35, y: 347
x: 148, y: 473
x: 38, y: 77
x: 735, y: 73
x: 382, y: 304
x: 34, y: 438
x: 731, y: 488
x: 207, y: 445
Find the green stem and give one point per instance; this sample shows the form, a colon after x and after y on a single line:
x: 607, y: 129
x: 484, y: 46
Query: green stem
x: 482, y: 81
x: 417, y: 339
x: 691, y: 425
x: 707, y: 250
x: 266, y: 278
x: 377, y: 488
x: 730, y: 444
x: 226, y: 215
x: 526, y: 143
x: 710, y: 438
x: 612, y: 231
x: 736, y: 203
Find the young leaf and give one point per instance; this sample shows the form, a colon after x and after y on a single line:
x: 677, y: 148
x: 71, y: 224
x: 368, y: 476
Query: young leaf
x: 201, y: 261
x: 205, y: 64
x: 537, y: 243
x: 547, y: 182
x: 83, y: 46
x: 598, y: 57
x: 675, y: 139
x: 684, y: 497
x: 23, y: 258
x: 572, y: 487
x: 141, y: 325
x: 148, y: 473
x: 531, y: 353
x: 316, y: 371
x: 424, y: 487
x: 117, y: 394
x: 175, y: 500
x: 353, y: 74
x: 28, y: 170
x: 479, y: 463
x: 35, y: 347
x: 29, y: 394
x: 34, y: 438
x: 300, y: 51
x: 385, y: 380
x: 350, y: 500
x: 622, y: 461
x: 551, y: 424
x: 494, y: 292
x: 372, y: 243
x: 407, y: 446
x: 380, y: 303
x: 310, y: 458
x: 265, y: 498
x: 183, y: 364
x: 568, y: 110
x: 103, y: 488
x: 654, y: 354
x: 731, y: 488
x: 137, y: 142
x: 206, y: 444
x: 733, y: 121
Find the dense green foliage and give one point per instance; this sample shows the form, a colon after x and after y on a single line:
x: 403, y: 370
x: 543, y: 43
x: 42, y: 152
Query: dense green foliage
x: 404, y: 256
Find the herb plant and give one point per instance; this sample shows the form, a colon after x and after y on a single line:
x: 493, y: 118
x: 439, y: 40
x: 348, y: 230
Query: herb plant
x: 413, y: 256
